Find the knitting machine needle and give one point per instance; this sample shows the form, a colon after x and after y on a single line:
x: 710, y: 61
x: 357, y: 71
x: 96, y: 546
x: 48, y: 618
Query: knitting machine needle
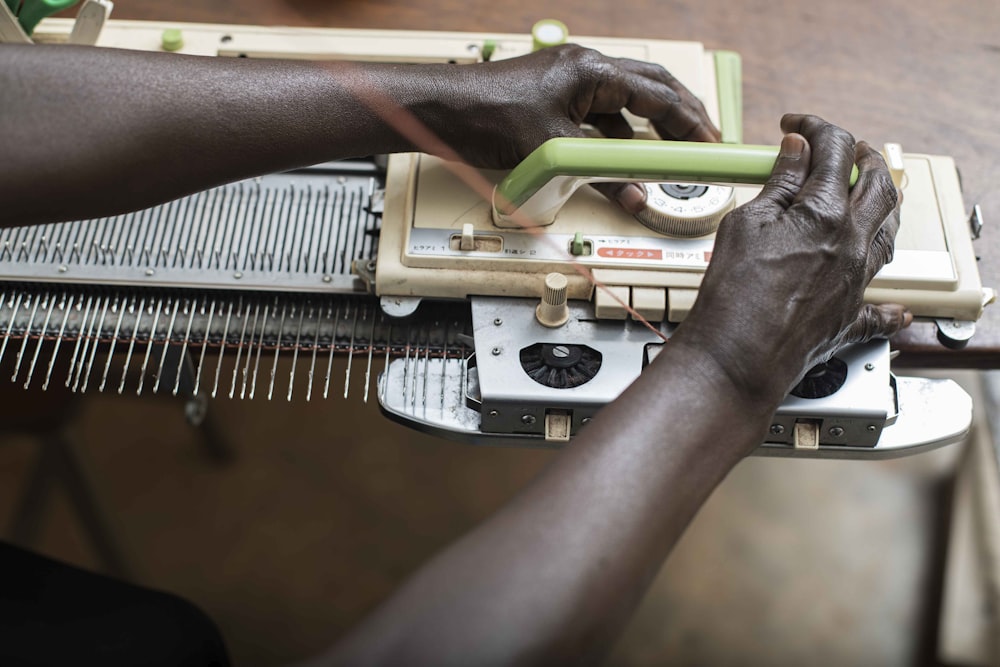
x: 277, y: 351
x: 175, y: 307
x: 131, y: 344
x: 204, y: 348
x: 114, y: 342
x: 350, y: 354
x: 260, y: 347
x: 59, y: 339
x: 149, y: 346
x: 315, y: 349
x: 371, y: 353
x: 184, y: 347
x: 333, y: 346
x: 222, y: 346
x: 295, y: 352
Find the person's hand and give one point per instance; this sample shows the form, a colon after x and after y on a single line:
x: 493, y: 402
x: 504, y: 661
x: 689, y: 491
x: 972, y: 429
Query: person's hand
x: 789, y: 269
x: 494, y: 114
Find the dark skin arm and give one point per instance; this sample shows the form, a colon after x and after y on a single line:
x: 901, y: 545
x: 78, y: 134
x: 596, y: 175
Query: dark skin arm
x: 123, y: 130
x: 555, y: 574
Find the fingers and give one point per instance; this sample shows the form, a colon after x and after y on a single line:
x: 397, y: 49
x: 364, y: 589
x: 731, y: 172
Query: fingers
x: 788, y: 175
x: 611, y: 125
x: 832, y: 159
x: 879, y: 321
x: 630, y: 196
x: 673, y: 109
x: 874, y: 197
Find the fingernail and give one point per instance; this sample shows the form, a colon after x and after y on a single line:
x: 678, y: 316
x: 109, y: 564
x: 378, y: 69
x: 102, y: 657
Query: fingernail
x: 907, y: 318
x: 791, y: 147
x: 632, y: 198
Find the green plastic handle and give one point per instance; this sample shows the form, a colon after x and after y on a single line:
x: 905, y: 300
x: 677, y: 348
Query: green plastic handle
x: 33, y: 11
x: 633, y: 159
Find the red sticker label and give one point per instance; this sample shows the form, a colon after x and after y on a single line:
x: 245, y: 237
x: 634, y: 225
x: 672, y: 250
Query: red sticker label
x: 630, y: 253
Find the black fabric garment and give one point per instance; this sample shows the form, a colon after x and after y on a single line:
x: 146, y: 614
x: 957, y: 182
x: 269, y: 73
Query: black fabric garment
x: 55, y: 614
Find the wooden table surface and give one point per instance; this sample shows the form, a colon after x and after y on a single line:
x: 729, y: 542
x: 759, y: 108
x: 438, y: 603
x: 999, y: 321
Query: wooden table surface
x: 923, y: 74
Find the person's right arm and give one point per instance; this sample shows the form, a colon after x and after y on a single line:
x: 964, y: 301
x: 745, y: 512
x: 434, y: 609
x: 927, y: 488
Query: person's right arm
x: 553, y: 576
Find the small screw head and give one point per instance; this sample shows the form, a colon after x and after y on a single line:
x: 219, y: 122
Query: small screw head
x: 496, y: 351
x: 869, y: 366
x: 328, y: 279
x: 560, y: 351
x: 836, y: 431
x: 238, y: 275
x: 497, y: 322
x: 872, y: 428
x: 494, y: 413
x: 777, y: 429
x: 63, y: 268
x: 528, y: 419
x: 150, y: 272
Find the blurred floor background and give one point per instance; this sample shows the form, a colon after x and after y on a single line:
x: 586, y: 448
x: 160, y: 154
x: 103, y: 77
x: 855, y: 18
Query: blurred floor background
x: 326, y: 506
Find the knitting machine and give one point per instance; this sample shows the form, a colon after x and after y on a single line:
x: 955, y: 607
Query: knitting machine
x: 475, y: 290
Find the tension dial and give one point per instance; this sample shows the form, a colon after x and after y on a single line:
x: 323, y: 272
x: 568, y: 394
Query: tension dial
x: 685, y: 210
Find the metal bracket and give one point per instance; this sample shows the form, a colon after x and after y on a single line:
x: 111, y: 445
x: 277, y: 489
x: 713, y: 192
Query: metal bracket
x: 976, y: 221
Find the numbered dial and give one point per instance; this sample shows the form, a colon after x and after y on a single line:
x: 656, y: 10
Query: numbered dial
x: 685, y: 210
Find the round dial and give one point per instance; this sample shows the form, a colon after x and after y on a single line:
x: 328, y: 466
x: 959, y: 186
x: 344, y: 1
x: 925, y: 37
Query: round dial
x: 685, y: 209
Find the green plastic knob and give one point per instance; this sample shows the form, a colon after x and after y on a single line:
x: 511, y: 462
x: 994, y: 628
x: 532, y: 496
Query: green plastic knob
x: 172, y: 40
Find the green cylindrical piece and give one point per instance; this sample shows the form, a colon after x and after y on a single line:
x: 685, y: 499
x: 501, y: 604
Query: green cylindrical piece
x: 548, y: 32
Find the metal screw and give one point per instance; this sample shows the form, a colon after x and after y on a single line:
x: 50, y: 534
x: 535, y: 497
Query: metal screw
x: 560, y: 351
x: 836, y: 431
x: 528, y: 419
x: 872, y: 428
x: 497, y: 351
x: 63, y: 269
x: 869, y: 366
x: 328, y: 279
x: 494, y: 413
x: 585, y: 421
x: 150, y: 272
x: 238, y: 275
x: 497, y: 322
x: 777, y: 429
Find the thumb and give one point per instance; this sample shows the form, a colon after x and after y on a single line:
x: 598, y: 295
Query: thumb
x: 788, y: 175
x: 879, y: 321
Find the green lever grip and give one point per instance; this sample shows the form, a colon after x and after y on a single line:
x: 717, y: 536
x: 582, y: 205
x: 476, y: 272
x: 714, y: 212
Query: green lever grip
x: 33, y: 11
x: 551, y: 173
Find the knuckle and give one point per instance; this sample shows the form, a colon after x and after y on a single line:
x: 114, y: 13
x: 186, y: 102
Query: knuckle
x: 784, y: 185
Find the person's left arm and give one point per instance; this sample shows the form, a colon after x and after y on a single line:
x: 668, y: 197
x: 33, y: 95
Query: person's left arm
x: 88, y: 132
